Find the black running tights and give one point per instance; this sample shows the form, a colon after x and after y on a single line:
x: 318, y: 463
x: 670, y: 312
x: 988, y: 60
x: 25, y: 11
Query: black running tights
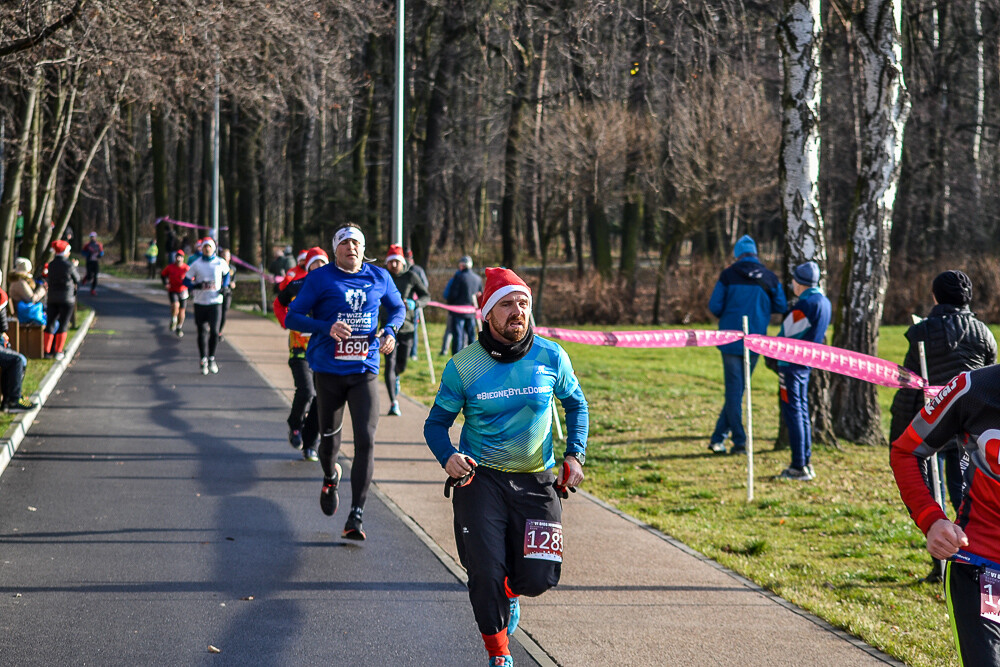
x: 206, y: 321
x: 360, y: 393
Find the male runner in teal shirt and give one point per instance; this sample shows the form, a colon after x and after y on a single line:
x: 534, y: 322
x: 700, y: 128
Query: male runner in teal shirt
x: 508, y: 517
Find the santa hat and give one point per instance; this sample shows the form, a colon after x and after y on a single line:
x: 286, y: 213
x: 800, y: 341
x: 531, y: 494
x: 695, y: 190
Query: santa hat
x: 314, y: 254
x: 499, y: 283
x: 302, y: 255
x: 61, y: 247
x: 205, y: 241
x: 179, y: 253
x: 395, y: 252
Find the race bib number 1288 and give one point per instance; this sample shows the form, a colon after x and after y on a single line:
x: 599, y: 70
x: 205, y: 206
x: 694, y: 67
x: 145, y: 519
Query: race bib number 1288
x: 543, y: 540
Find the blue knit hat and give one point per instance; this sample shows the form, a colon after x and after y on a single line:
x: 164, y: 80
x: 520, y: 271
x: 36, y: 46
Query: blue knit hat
x: 806, y: 274
x: 745, y: 246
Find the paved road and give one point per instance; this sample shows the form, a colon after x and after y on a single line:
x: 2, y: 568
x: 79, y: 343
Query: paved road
x: 149, y: 504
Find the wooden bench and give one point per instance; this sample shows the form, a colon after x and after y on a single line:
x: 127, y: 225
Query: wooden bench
x: 28, y: 339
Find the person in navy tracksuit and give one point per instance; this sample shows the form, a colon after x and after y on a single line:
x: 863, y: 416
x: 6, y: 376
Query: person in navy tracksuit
x: 748, y: 288
x: 807, y: 320
x: 339, y: 306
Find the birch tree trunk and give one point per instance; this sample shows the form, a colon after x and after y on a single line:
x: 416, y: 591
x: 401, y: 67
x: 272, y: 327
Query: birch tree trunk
x: 800, y: 40
x: 977, y: 139
x: 866, y: 277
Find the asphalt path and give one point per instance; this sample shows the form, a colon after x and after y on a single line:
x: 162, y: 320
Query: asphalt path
x: 153, y: 512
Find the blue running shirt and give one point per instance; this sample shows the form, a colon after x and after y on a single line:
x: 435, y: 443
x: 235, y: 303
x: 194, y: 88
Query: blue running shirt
x: 329, y: 295
x: 508, y: 418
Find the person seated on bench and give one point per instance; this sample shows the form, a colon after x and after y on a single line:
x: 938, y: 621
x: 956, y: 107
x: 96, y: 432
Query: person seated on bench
x: 23, y: 288
x: 12, y: 365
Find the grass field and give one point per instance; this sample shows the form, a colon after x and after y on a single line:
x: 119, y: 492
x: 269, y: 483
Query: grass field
x: 841, y: 546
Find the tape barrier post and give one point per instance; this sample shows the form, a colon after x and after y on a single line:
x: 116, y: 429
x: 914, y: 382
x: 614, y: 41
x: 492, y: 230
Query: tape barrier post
x: 746, y: 388
x: 263, y: 291
x: 933, y: 462
x: 427, y: 344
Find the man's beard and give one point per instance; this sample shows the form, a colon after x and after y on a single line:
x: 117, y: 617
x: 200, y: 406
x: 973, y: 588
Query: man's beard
x: 508, y: 335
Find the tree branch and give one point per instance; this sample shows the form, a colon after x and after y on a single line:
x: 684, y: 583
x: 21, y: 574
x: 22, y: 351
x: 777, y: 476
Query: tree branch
x: 28, y: 42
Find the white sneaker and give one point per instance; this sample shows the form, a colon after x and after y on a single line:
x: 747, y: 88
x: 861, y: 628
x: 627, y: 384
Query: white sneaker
x: 212, y: 366
x: 204, y: 366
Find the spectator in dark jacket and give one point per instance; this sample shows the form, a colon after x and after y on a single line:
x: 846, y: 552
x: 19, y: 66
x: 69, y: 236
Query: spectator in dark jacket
x: 462, y: 290
x: 415, y: 295
x: 748, y: 288
x: 63, y: 281
x: 954, y: 341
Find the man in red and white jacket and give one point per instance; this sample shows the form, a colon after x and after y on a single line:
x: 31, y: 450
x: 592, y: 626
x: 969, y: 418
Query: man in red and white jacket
x: 968, y: 407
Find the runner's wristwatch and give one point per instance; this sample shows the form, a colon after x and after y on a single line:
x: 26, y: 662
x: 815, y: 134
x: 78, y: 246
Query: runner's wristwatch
x: 579, y: 456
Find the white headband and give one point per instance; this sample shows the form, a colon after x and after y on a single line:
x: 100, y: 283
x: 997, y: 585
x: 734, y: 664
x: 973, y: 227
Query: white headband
x: 348, y: 233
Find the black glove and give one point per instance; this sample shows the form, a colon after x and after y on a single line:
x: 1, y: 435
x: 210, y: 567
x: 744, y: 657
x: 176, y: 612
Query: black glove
x: 771, y: 363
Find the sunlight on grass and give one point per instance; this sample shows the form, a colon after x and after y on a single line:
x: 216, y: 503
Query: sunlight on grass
x: 841, y: 546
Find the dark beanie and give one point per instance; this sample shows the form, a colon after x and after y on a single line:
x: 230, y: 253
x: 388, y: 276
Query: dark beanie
x: 953, y: 287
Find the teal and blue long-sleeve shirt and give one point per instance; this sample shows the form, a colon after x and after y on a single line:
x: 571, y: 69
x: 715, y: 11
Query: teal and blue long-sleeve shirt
x: 507, y: 408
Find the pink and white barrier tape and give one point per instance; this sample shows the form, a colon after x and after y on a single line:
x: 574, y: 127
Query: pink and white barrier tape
x: 675, y: 338
x: 836, y: 360
x: 464, y: 310
x: 824, y: 357
x: 181, y: 223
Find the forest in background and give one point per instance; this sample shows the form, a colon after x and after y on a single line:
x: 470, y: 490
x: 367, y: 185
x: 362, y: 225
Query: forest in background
x: 613, y: 139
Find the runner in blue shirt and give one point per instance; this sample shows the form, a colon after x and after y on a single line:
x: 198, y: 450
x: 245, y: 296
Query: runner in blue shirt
x: 339, y: 306
x: 507, y: 514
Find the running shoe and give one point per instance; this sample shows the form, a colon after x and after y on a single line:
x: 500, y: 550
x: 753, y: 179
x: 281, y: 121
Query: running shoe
x: 212, y: 366
x: 204, y: 365
x: 60, y: 356
x: 309, y: 454
x: 328, y: 498
x: 717, y: 447
x: 737, y: 450
x: 515, y: 615
x: 797, y: 474
x: 20, y: 405
x: 501, y: 661
x: 353, y: 529
x: 180, y: 334
x: 394, y: 410
x: 809, y: 469
x: 295, y: 438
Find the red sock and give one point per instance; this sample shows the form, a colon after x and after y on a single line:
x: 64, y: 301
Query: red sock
x: 496, y: 644
x: 60, y: 342
x: 47, y: 339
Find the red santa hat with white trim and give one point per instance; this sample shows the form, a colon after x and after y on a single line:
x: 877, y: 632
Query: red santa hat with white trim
x: 395, y: 252
x: 499, y: 283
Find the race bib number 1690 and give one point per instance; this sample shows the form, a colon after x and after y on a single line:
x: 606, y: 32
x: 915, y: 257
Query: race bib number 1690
x: 543, y: 540
x: 354, y: 348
